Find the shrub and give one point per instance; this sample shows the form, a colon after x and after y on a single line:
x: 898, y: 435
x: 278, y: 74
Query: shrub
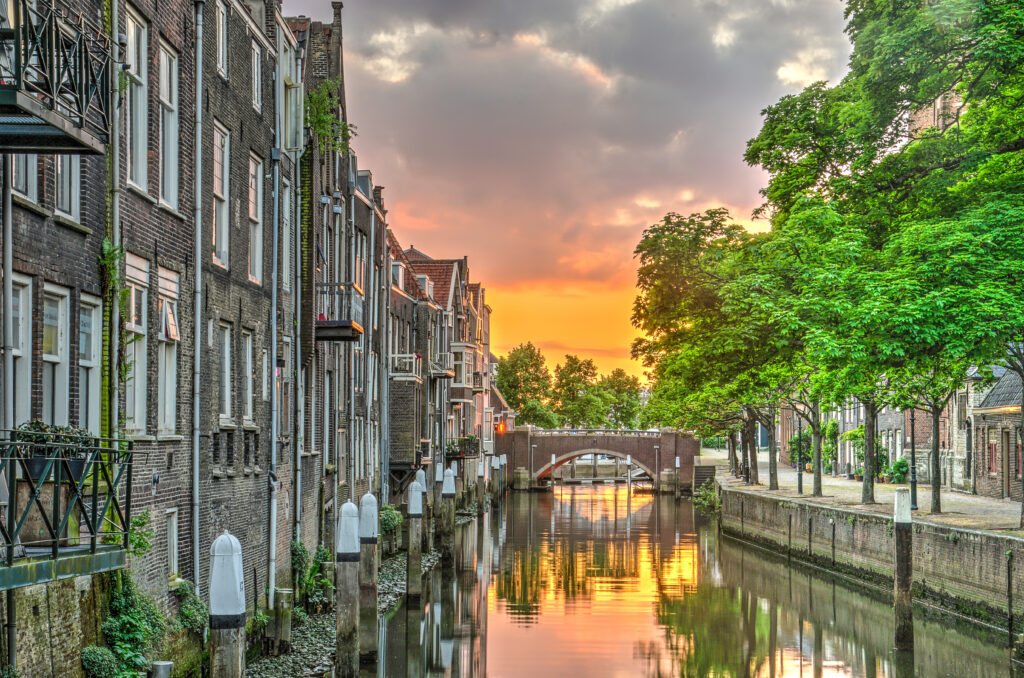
x: 192, y: 612
x: 133, y: 626
x: 706, y: 499
x: 390, y: 519
x: 99, y: 662
x: 318, y: 585
x: 898, y: 471
x: 299, y: 617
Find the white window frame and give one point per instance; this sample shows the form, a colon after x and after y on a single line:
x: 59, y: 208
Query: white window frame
x: 224, y: 381
x: 221, y: 199
x: 55, y: 363
x: 173, y: 561
x: 255, y: 212
x: 68, y: 167
x: 137, y: 282
x: 136, y: 100
x: 286, y: 236
x: 22, y: 348
x: 169, y: 131
x: 257, y: 76
x: 25, y: 166
x: 90, y: 308
x: 222, y: 38
x: 266, y: 374
x: 168, y: 337
x: 247, y: 378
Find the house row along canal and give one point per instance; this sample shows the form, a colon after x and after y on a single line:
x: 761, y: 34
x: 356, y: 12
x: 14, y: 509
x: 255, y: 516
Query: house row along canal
x: 594, y: 581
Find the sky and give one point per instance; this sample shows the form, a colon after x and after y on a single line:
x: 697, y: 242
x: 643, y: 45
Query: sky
x: 540, y: 137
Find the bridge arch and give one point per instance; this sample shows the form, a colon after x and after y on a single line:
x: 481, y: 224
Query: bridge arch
x: 545, y: 469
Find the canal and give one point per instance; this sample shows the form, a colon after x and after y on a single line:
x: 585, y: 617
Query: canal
x: 595, y: 582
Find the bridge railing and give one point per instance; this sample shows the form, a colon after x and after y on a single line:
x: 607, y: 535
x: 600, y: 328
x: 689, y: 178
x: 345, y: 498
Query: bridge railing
x: 594, y: 432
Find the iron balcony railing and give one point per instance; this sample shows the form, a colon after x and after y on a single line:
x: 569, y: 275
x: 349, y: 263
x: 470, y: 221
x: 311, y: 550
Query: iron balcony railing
x: 468, y: 446
x: 67, y: 497
x: 339, y: 312
x: 406, y: 366
x: 442, y: 365
x: 478, y: 382
x: 55, y: 79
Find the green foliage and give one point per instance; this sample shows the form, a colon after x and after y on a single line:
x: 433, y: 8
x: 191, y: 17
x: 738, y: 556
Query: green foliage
x: 323, y: 116
x: 299, y: 617
x: 134, y: 625
x: 9, y: 671
x: 317, y: 585
x: 706, y: 500
x: 193, y: 613
x: 802, y: 444
x: 140, y: 534
x: 577, y: 399
x: 99, y: 662
x: 624, y: 412
x: 898, y: 470
x: 300, y: 560
x: 525, y: 383
x: 390, y: 519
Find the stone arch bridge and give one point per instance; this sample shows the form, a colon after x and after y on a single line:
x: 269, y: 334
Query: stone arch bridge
x: 652, y: 451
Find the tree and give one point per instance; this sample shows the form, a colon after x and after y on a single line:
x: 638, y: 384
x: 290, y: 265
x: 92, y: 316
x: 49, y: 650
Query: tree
x: 625, y: 398
x: 525, y: 382
x: 578, y: 400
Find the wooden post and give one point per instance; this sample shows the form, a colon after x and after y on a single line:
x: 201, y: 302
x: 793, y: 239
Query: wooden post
x: 678, y: 489
x: 414, y: 561
x: 346, y: 592
x: 446, y: 533
x: 227, y: 608
x: 904, y: 574
x: 368, y: 578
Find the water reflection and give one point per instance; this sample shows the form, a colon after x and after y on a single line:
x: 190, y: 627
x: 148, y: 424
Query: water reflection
x: 592, y: 581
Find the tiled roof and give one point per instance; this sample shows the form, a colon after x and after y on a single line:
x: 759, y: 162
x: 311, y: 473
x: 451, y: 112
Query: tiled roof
x: 1006, y: 392
x: 440, y: 272
x: 411, y: 285
x: 498, y: 400
x: 474, y: 294
x: 414, y: 254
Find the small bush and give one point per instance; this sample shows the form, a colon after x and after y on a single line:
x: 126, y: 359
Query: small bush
x: 898, y: 471
x: 133, y: 626
x: 299, y: 617
x: 318, y: 585
x: 99, y: 662
x: 706, y: 499
x: 390, y: 519
x: 192, y: 612
x: 9, y: 672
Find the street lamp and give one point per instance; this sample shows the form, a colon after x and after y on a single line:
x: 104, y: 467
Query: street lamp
x: 800, y: 455
x: 913, y: 463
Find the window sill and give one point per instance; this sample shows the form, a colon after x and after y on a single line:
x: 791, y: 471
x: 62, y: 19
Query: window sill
x: 71, y: 223
x: 141, y: 192
x: 169, y: 437
x: 227, y: 424
x: 255, y: 281
x: 141, y: 438
x: 247, y: 470
x: 30, y: 204
x: 250, y: 425
x: 170, y: 210
x: 219, y: 263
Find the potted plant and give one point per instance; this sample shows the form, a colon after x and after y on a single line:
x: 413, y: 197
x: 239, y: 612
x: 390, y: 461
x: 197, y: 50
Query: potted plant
x: 858, y: 474
x: 55, y: 442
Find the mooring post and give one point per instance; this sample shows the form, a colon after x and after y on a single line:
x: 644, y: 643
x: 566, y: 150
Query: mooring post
x: 414, y: 561
x: 678, y: 489
x: 447, y: 531
x: 551, y: 472
x: 427, y: 541
x: 495, y: 473
x: 227, y: 608
x: 458, y: 484
x: 904, y: 574
x: 436, y: 511
x: 481, y: 465
x: 346, y: 592
x: 503, y: 467
x: 629, y: 474
x: 368, y: 578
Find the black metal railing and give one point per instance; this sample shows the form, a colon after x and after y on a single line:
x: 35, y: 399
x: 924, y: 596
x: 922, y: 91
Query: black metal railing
x: 88, y: 483
x: 339, y: 311
x: 54, y: 55
x: 468, y: 446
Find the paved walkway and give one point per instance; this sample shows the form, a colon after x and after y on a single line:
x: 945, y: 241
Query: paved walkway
x: 958, y: 509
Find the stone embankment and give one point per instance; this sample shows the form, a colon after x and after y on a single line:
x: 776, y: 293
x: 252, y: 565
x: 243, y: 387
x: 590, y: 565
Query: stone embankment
x: 975, y: 573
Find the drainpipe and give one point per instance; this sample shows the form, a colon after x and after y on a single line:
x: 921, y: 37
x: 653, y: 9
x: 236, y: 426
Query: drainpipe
x: 8, y: 330
x: 371, y: 289
x: 197, y: 180
x: 299, y: 392
x: 275, y: 157
x: 350, y: 472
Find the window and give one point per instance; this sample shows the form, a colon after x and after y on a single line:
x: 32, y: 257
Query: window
x: 255, y: 219
x: 25, y: 175
x: 221, y: 187
x: 993, y: 450
x: 459, y: 367
x: 257, y: 76
x: 90, y: 326
x: 55, y: 355
x: 283, y: 375
x: 224, y: 401
x: 167, y: 354
x: 286, y: 237
x: 247, y: 366
x: 21, y: 349
x: 135, y: 99
x: 172, y: 543
x: 360, y: 263
x: 67, y: 171
x: 168, y: 126
x: 137, y: 270
x: 222, y: 39
x: 266, y: 376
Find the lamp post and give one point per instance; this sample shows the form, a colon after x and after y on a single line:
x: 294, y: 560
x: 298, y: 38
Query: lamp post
x: 533, y: 448
x: 800, y: 455
x: 913, y: 463
x: 657, y: 468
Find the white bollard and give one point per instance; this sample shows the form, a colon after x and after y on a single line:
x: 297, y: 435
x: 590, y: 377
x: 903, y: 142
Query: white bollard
x: 446, y: 533
x: 346, y: 592
x: 227, y: 608
x: 414, y: 560
x: 368, y: 532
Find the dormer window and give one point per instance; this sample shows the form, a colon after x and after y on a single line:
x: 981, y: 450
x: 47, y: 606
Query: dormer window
x: 398, y: 274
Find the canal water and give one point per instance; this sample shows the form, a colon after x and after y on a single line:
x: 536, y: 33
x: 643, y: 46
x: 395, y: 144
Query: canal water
x: 590, y: 581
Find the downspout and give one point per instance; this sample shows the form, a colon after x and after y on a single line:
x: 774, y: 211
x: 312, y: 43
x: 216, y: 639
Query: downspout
x: 298, y: 393
x: 350, y: 462
x: 275, y: 158
x: 371, y: 286
x: 8, y: 329
x: 197, y: 180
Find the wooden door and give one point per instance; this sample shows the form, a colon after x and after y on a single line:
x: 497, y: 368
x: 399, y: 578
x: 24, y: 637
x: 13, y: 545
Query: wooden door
x: 1006, y: 463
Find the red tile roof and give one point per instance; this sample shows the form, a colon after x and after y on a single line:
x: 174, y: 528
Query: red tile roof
x: 440, y: 272
x: 411, y: 285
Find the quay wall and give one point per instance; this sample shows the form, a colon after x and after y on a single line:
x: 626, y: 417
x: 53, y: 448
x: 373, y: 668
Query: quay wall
x: 970, y: 572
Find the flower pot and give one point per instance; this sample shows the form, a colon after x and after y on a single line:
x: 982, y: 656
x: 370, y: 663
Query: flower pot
x: 858, y: 477
x: 37, y: 465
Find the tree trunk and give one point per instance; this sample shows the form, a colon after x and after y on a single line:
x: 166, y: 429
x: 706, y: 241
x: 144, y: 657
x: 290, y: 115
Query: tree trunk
x: 745, y: 451
x: 773, y: 463
x: 752, y: 446
x: 816, y: 443
x: 734, y: 463
x: 867, y: 493
x: 936, y: 471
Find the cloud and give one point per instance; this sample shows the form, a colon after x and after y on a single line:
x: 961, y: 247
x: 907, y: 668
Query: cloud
x: 540, y: 138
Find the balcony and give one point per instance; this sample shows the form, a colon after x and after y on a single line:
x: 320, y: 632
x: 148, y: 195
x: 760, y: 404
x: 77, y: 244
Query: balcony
x: 442, y: 366
x: 339, y: 312
x: 478, y: 382
x: 407, y: 367
x: 69, y: 506
x: 460, y: 448
x: 55, y: 73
